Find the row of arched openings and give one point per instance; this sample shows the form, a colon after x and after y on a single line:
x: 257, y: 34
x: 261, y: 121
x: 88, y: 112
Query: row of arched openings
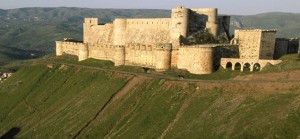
x: 246, y: 66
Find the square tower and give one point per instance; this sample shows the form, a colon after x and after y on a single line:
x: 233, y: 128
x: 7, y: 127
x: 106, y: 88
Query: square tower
x: 255, y: 44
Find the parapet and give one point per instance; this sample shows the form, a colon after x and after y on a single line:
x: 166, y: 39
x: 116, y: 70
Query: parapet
x: 91, y: 21
x: 120, y: 21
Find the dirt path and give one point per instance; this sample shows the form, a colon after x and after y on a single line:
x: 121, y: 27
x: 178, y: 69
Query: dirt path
x: 279, y: 76
x: 178, y: 115
x: 133, y: 82
x: 294, y: 76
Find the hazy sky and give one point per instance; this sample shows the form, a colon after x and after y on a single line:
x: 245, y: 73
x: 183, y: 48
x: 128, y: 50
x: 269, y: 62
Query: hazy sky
x: 224, y: 6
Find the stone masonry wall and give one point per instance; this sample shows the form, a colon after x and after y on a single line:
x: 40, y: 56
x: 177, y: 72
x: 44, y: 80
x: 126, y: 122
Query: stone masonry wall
x: 94, y: 33
x: 249, y: 43
x: 101, y: 51
x: 198, y: 59
x: 267, y: 45
x: 148, y: 31
x: 255, y: 44
x: 140, y: 55
x: 71, y: 48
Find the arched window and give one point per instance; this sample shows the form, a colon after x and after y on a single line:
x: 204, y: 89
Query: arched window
x: 237, y: 66
x: 246, y: 67
x: 229, y: 65
x: 256, y: 67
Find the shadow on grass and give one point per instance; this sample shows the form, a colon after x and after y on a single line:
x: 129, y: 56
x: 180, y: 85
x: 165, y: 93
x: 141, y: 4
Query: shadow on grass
x: 11, y: 133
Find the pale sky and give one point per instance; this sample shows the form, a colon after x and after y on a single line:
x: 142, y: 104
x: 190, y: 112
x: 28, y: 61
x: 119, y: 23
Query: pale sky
x: 238, y: 7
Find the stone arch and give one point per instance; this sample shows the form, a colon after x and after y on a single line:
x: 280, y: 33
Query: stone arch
x: 246, y: 67
x: 237, y: 66
x: 228, y: 65
x: 256, y: 67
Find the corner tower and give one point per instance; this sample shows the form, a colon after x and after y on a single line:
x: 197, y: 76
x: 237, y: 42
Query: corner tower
x: 119, y: 31
x: 88, y: 27
x: 179, y: 24
x: 212, y: 23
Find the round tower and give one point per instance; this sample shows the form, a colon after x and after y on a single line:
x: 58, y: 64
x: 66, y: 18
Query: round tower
x: 59, y: 48
x: 163, y: 56
x: 179, y: 24
x: 212, y: 21
x: 119, y: 31
x: 119, y: 57
x: 83, y: 52
x: 206, y: 61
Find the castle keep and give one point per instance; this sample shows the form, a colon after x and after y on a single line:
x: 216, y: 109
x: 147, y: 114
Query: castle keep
x: 157, y: 42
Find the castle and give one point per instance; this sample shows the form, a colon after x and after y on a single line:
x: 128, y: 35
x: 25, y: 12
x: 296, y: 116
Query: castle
x: 156, y: 43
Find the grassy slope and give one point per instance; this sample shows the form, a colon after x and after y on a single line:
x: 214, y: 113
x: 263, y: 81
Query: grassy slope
x: 57, y: 102
x: 54, y: 102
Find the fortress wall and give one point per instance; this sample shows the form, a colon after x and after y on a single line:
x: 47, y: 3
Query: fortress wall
x: 101, y: 51
x: 140, y: 55
x: 71, y: 48
x: 198, y: 59
x: 267, y: 45
x: 94, y: 33
x: 147, y: 31
x: 249, y: 43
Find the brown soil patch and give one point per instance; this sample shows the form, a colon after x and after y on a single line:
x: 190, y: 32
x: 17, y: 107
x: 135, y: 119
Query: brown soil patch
x: 135, y: 80
x: 279, y: 76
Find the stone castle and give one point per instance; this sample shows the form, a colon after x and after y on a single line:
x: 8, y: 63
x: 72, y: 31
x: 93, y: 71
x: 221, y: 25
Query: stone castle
x: 156, y: 43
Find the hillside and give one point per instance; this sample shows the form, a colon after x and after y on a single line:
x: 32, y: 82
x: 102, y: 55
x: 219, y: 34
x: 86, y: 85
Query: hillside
x: 77, y: 100
x: 287, y: 24
x: 33, y: 31
x: 30, y: 32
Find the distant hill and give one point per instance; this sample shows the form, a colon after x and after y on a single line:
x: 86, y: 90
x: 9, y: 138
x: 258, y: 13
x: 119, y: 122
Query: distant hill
x: 36, y: 29
x: 31, y: 32
x: 287, y: 24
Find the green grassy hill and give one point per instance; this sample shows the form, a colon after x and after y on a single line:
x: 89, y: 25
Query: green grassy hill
x: 66, y: 101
